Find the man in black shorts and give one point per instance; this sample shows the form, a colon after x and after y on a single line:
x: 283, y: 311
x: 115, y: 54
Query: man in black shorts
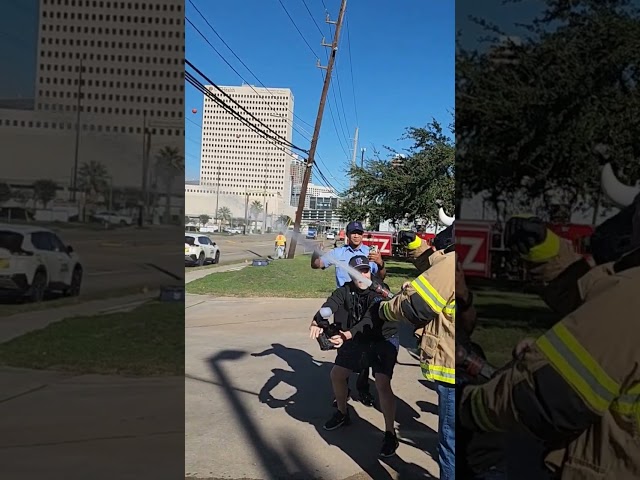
x: 364, y: 338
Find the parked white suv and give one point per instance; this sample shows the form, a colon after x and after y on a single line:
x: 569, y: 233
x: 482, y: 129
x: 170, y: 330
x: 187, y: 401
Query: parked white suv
x: 34, y: 261
x: 199, y: 249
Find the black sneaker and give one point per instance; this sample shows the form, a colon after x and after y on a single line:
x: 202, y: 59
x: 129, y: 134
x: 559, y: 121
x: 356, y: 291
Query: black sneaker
x: 335, y: 402
x: 366, y: 399
x: 339, y: 419
x: 389, y: 445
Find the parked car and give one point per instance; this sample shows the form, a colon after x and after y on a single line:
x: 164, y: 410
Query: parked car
x: 199, y: 249
x: 331, y: 236
x: 234, y: 231
x: 35, y: 261
x: 312, y: 233
x: 113, y: 218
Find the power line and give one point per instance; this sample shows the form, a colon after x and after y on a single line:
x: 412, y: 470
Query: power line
x: 201, y: 87
x: 296, y: 26
x: 284, y: 140
x: 353, y: 88
x: 312, y: 18
x: 244, y: 64
x: 346, y: 122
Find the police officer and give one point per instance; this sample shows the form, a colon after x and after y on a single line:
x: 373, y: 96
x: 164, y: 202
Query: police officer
x: 576, y: 388
x: 428, y: 302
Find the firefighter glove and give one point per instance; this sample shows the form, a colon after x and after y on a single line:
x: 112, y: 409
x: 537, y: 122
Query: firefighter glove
x: 406, y: 238
x: 522, y: 234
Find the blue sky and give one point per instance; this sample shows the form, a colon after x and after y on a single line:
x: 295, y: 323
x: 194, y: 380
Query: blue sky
x: 19, y: 37
x: 402, y: 58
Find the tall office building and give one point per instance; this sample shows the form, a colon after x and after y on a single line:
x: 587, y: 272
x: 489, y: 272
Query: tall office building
x: 298, y: 168
x: 237, y: 164
x: 124, y: 60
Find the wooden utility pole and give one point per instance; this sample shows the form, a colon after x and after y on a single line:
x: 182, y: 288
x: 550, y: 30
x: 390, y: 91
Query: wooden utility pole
x: 316, y: 130
x: 74, y: 180
x: 218, y: 195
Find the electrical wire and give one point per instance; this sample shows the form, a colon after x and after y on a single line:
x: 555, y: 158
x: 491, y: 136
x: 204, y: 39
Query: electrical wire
x: 245, y: 66
x: 296, y: 26
x: 283, y: 140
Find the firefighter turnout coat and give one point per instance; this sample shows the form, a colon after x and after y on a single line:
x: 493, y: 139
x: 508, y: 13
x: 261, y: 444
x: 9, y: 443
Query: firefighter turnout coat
x: 578, y: 387
x: 429, y: 304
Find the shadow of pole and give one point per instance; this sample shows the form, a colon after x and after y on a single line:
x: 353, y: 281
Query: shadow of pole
x: 271, y: 460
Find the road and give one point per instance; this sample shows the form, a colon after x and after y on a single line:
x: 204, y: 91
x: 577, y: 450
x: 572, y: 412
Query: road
x: 252, y: 373
x: 126, y: 258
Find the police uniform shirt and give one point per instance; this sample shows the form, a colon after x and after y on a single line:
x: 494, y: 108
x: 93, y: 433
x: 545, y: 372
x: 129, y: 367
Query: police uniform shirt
x: 344, y: 254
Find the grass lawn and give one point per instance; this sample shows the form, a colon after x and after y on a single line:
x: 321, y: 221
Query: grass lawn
x: 286, y: 278
x: 147, y: 341
x: 504, y: 318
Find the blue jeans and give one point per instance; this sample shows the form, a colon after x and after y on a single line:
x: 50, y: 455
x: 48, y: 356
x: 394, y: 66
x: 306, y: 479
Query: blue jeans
x: 446, y: 431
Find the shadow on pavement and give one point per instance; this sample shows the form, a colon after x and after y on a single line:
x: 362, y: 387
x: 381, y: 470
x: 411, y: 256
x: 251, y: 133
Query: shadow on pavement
x: 276, y: 464
x: 360, y: 441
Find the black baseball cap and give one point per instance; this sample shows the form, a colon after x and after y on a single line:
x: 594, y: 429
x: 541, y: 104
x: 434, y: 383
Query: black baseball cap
x: 359, y: 262
x: 355, y: 227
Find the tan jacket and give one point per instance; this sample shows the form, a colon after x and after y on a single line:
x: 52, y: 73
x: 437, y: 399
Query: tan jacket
x: 586, y: 373
x: 429, y: 302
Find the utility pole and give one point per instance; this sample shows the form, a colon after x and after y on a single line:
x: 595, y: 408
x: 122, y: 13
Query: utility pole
x: 353, y: 157
x: 78, y: 108
x: 318, y: 124
x: 362, y: 157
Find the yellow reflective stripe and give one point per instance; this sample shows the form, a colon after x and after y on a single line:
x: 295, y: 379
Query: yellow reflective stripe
x: 628, y: 403
x: 450, y: 309
x: 387, y: 312
x: 439, y: 373
x: 429, y: 294
x: 479, y: 412
x: 578, y: 368
x: 546, y: 250
x: 414, y: 244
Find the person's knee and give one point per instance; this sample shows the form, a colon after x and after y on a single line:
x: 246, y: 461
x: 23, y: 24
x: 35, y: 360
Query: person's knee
x: 339, y: 374
x: 383, y: 384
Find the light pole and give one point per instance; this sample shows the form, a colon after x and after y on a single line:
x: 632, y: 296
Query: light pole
x: 77, y: 147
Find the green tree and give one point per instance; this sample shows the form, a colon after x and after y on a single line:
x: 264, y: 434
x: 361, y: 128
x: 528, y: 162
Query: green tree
x: 528, y: 126
x: 285, y: 220
x: 204, y: 219
x: 93, y: 178
x: 255, y: 209
x: 409, y: 186
x: 186, y: 220
x: 224, y: 214
x: 44, y: 191
x: 170, y: 164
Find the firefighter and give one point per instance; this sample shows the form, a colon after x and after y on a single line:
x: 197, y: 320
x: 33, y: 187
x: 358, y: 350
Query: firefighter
x: 428, y: 303
x: 577, y: 387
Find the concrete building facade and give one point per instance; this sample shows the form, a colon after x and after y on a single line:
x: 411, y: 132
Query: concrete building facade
x: 238, y: 166
x: 125, y: 62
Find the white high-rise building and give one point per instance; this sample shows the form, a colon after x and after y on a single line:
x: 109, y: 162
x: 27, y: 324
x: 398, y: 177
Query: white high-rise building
x: 238, y: 166
x: 132, y: 76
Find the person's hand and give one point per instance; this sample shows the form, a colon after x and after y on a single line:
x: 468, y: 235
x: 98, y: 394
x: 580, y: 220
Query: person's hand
x: 346, y: 335
x: 376, y: 258
x: 522, y: 234
x: 314, y: 330
x: 523, y: 347
x: 405, y: 237
x: 337, y: 340
x: 406, y: 284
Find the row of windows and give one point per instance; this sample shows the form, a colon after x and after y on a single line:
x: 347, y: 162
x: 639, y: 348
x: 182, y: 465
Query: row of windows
x: 105, y: 44
x: 120, y: 32
x: 247, y: 104
x: 111, y: 96
x: 104, y: 84
x: 119, y: 58
x: 101, y: 4
x: 112, y: 71
x: 190, y: 190
x: 89, y: 127
x: 112, y: 18
x: 107, y: 110
x: 245, y: 156
x: 266, y: 119
x: 239, y: 184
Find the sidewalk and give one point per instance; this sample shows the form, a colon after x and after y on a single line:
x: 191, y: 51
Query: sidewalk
x: 100, y: 427
x: 203, y: 272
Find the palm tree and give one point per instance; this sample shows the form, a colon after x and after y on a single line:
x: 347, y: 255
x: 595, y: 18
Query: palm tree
x: 169, y: 165
x: 224, y: 213
x: 285, y: 220
x: 255, y: 209
x: 204, y: 219
x: 93, y: 181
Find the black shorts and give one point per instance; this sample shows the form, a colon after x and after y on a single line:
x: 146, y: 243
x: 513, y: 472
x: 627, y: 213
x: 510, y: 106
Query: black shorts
x: 380, y: 355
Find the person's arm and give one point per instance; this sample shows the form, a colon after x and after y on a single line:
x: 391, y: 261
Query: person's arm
x: 366, y: 321
x: 337, y: 299
x: 318, y: 261
x: 564, y: 382
x: 377, y: 265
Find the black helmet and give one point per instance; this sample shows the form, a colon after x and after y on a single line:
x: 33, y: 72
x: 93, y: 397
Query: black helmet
x: 445, y: 240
